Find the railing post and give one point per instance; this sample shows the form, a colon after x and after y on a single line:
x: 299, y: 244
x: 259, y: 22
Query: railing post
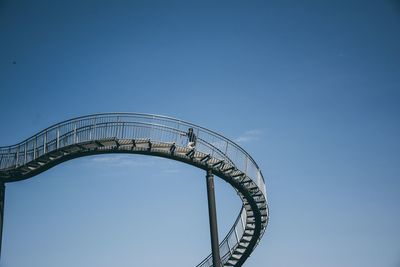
x: 95, y: 128
x: 34, y: 147
x: 44, y: 142
x: 75, y: 133
x: 2, y: 197
x: 229, y: 247
x: 236, y: 235
x: 25, y: 153
x: 177, y: 133
x: 17, y: 156
x: 243, y: 223
x: 212, y: 212
x: 58, y: 138
x: 116, y: 127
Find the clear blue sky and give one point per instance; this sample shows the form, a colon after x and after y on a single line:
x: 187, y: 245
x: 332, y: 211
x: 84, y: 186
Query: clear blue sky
x: 310, y: 88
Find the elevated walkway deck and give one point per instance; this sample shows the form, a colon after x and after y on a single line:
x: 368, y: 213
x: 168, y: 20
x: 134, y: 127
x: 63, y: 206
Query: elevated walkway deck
x: 154, y: 136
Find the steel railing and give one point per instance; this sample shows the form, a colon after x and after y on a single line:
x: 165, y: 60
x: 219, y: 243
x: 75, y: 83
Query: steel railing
x: 139, y: 126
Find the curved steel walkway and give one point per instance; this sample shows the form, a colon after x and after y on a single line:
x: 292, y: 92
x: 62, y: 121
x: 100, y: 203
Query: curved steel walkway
x: 157, y: 136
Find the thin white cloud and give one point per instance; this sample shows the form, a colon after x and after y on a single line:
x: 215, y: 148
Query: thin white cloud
x: 249, y: 136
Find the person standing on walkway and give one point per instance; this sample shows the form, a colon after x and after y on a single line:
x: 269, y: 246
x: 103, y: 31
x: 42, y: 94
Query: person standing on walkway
x: 192, y: 138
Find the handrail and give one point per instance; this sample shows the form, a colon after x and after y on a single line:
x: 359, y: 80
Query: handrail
x: 134, y: 125
x: 153, y: 116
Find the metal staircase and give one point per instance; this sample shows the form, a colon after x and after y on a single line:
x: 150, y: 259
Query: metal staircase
x: 155, y: 136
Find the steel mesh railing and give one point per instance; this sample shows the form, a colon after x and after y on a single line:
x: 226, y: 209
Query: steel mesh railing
x: 139, y: 126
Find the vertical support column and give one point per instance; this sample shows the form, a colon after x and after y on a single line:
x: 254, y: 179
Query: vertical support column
x: 212, y: 213
x: 2, y: 195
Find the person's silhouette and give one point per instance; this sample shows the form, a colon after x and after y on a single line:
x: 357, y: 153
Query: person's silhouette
x: 192, y: 138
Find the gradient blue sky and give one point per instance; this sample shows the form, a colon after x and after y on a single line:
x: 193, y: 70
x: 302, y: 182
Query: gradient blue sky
x: 310, y: 88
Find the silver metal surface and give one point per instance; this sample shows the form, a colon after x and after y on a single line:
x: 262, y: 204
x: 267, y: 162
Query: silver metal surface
x: 153, y: 135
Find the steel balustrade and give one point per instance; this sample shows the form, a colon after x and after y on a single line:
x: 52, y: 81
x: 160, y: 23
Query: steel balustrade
x: 158, y: 136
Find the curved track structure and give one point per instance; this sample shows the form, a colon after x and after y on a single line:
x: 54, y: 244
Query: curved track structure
x: 156, y: 136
